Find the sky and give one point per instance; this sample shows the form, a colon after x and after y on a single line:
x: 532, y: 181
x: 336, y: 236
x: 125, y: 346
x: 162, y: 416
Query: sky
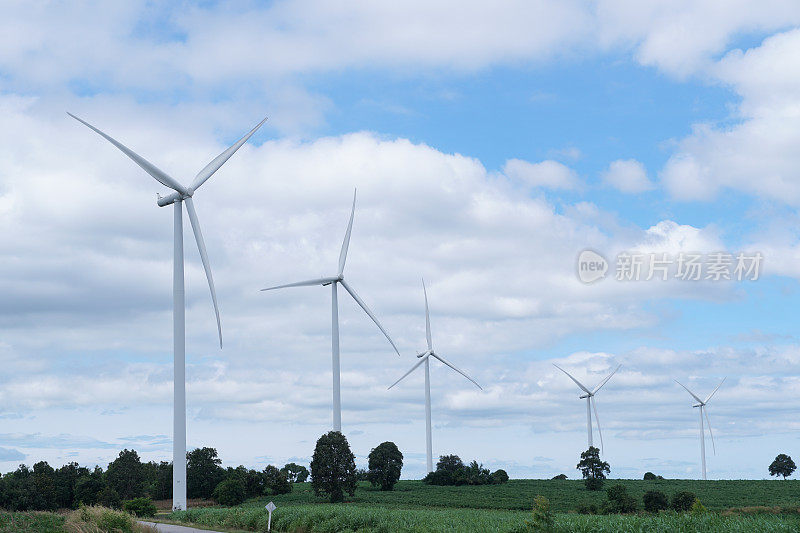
x: 490, y: 144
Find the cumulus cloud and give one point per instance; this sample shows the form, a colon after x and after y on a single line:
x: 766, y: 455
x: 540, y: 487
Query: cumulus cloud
x: 549, y: 174
x: 628, y: 176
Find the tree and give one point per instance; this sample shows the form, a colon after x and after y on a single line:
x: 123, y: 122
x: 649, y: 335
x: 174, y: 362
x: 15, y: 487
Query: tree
x: 65, y: 479
x: 782, y: 466
x: 449, y: 469
x: 682, y: 501
x: 126, y: 475
x: 109, y: 497
x: 618, y: 500
x: 333, y: 467
x: 230, y: 492
x: 385, y: 464
x: 499, y: 477
x: 655, y: 501
x: 275, y: 481
x: 295, y: 473
x: 89, y: 487
x: 140, y: 507
x: 593, y: 469
x: 44, y: 485
x: 203, y: 472
x: 560, y: 476
x: 649, y: 476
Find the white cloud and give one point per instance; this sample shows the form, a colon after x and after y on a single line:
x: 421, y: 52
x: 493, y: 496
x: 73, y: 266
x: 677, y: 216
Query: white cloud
x: 550, y: 174
x: 628, y: 176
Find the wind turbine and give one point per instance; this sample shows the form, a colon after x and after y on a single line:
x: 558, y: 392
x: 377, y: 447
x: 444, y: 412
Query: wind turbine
x: 425, y: 358
x: 702, y: 405
x: 590, y: 405
x: 181, y: 195
x: 334, y: 282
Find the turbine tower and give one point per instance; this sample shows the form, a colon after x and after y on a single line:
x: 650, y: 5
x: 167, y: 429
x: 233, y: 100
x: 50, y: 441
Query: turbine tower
x: 425, y: 358
x: 702, y: 405
x: 334, y: 282
x: 590, y: 405
x: 181, y: 196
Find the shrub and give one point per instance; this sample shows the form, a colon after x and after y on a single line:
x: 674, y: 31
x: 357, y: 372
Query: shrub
x: 385, y: 465
x: 275, y: 481
x: 333, y: 467
x: 230, y: 492
x: 698, y: 508
x: 560, y: 476
x: 618, y: 500
x: 649, y: 476
x: 682, y: 501
x: 655, y: 501
x: 588, y: 509
x: 542, y: 515
x: 499, y: 477
x: 141, y: 507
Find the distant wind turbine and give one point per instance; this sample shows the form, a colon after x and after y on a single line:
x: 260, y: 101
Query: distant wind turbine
x: 334, y: 281
x: 424, y: 358
x: 702, y: 405
x: 181, y: 195
x: 590, y: 405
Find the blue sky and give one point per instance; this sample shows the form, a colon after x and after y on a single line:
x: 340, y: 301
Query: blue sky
x: 489, y: 147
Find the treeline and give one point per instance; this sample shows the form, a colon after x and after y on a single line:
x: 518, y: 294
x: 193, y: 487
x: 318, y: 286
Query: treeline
x: 451, y: 470
x: 44, y: 488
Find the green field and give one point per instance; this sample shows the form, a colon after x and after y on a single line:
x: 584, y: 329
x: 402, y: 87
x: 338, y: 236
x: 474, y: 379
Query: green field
x: 564, y: 495
x: 31, y: 523
x: 416, y: 507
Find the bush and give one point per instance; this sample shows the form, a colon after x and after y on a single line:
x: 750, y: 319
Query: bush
x: 698, y: 508
x: 649, y: 476
x: 499, y: 477
x: 141, y: 507
x: 333, y: 467
x: 588, y: 509
x: 230, y: 492
x: 618, y: 501
x: 542, y: 516
x: 275, y: 481
x: 385, y: 465
x: 682, y: 501
x: 560, y: 476
x: 655, y: 501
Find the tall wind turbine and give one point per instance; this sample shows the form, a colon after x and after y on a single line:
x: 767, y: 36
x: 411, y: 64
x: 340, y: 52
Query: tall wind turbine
x: 590, y: 405
x: 425, y: 358
x: 702, y: 405
x: 181, y: 195
x: 334, y: 282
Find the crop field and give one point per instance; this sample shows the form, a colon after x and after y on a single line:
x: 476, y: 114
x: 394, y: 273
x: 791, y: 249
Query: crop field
x: 414, y: 506
x: 35, y: 522
x: 564, y: 495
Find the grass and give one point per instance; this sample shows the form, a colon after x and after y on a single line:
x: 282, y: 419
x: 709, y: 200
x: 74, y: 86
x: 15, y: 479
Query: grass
x: 84, y: 520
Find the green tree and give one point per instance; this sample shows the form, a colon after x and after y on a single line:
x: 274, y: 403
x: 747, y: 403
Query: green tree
x: 203, y: 472
x: 542, y: 517
x: 126, y: 475
x: 449, y: 469
x: 65, y: 479
x: 88, y: 487
x: 593, y: 469
x: 275, y: 481
x: 295, y: 473
x: 141, y: 507
x: 499, y: 477
x: 230, y: 492
x: 333, y: 467
x: 655, y: 501
x: 618, y: 500
x: 385, y: 464
x: 44, y: 485
x: 682, y: 501
x: 782, y: 466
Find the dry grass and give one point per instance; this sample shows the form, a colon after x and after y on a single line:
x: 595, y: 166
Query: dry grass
x: 166, y: 505
x: 103, y: 520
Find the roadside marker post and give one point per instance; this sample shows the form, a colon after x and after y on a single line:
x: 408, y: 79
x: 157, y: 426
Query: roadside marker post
x: 270, y: 507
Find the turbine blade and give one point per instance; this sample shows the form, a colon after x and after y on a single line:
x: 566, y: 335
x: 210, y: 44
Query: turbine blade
x: 690, y: 392
x: 714, y: 446
x: 578, y: 383
x: 410, y: 371
x: 600, y: 386
x: 201, y: 247
x: 597, y: 419
x: 220, y: 160
x: 457, y: 370
x: 346, y: 242
x: 715, y: 390
x: 360, y: 302
x: 160, y: 176
x: 427, y: 318
x: 307, y: 283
